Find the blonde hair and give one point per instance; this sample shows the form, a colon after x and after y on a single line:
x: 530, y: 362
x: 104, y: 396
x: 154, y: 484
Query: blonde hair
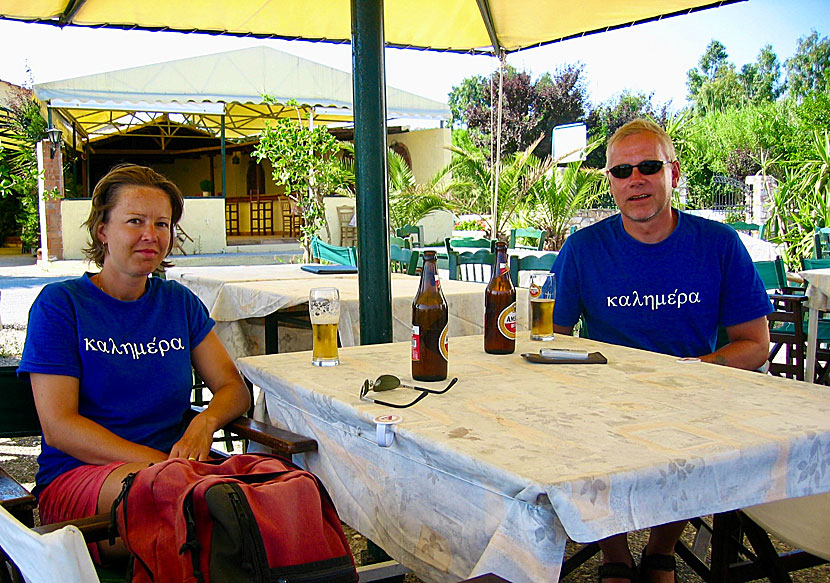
x: 105, y: 197
x: 642, y: 126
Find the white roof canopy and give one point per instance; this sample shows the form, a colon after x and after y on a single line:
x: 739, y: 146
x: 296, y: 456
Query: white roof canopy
x: 231, y: 83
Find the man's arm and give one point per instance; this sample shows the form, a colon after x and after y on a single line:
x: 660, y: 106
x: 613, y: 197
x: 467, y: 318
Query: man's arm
x: 748, y: 346
x: 566, y: 330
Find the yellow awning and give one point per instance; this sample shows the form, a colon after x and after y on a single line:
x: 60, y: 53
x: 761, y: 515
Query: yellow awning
x: 455, y: 25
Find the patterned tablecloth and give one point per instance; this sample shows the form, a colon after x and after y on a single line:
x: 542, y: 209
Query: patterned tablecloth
x: 239, y: 297
x: 495, y: 474
x: 818, y: 299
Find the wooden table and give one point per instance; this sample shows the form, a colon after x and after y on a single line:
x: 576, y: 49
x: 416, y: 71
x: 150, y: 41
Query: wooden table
x: 496, y: 474
x: 246, y: 300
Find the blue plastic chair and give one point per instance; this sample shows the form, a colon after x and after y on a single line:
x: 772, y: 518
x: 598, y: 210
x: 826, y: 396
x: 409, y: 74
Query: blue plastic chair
x: 323, y: 251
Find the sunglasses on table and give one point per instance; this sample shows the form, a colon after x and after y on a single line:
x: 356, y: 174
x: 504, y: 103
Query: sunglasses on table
x: 388, y: 382
x: 646, y: 167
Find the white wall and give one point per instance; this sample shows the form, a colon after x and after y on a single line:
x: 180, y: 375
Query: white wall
x: 203, y: 220
x: 428, y: 150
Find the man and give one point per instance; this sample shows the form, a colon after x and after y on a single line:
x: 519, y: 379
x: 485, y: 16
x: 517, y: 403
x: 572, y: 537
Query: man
x: 654, y: 278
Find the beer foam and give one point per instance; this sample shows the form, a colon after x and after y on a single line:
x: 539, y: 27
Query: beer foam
x: 324, y: 312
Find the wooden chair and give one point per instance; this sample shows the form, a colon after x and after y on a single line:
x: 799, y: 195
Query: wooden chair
x: 538, y: 234
x: 470, y: 265
x: 18, y: 418
x: 414, y: 232
x: 348, y: 233
x: 530, y: 263
x: 231, y: 217
x: 403, y: 260
x: 786, y: 324
x: 290, y: 218
x: 323, y: 251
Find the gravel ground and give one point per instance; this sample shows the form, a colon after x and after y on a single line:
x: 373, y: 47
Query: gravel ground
x: 19, y: 455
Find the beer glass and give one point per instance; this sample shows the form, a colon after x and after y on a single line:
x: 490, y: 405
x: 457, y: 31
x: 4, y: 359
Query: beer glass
x: 542, y: 295
x: 324, y: 309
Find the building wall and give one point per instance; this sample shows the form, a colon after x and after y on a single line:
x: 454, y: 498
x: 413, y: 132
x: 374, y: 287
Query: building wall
x: 427, y: 149
x: 203, y: 220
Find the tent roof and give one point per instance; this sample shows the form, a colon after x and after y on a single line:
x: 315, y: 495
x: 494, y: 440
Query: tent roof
x: 456, y: 25
x: 201, y: 89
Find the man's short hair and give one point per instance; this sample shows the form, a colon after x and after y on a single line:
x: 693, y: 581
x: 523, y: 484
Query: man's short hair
x: 640, y: 126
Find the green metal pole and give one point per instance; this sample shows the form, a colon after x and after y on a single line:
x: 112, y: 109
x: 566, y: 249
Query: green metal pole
x: 370, y: 169
x: 224, y: 187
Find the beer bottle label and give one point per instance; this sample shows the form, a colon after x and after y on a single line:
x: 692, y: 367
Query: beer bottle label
x: 443, y: 343
x: 503, y: 268
x: 507, y: 322
x: 534, y: 290
x: 416, y: 343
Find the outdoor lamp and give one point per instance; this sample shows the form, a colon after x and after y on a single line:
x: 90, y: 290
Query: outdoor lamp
x: 54, y: 140
x: 235, y: 159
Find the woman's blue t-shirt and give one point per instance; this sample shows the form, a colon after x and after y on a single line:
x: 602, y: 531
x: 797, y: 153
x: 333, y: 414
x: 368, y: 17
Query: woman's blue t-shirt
x: 132, y: 359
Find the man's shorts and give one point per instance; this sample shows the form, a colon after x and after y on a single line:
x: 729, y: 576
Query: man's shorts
x: 73, y: 495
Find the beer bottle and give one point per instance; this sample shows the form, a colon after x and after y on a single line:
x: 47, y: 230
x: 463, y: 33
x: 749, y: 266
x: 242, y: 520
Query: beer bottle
x: 500, y: 307
x: 429, y: 326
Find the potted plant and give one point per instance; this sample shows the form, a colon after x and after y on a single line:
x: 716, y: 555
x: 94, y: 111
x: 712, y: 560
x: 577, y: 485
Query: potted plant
x: 206, y: 186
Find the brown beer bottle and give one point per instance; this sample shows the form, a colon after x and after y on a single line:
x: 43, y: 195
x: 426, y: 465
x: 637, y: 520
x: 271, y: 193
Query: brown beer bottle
x: 500, y: 307
x: 429, y: 326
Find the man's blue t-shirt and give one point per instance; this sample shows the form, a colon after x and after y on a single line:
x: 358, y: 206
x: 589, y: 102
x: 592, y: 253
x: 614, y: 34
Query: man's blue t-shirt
x: 132, y: 359
x: 668, y: 297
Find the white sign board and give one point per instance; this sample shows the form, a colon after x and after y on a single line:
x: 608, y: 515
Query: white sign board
x: 569, y: 142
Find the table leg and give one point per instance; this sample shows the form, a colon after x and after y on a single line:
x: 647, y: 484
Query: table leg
x: 812, y: 334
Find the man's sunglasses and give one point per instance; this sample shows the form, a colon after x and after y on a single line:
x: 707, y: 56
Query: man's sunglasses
x: 388, y: 382
x: 646, y: 167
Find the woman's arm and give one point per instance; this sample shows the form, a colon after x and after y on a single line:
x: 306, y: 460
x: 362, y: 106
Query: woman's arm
x: 230, y: 398
x: 56, y: 399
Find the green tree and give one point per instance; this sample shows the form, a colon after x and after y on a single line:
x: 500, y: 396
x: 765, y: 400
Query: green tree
x: 762, y: 80
x: 611, y: 115
x: 305, y: 162
x: 529, y: 109
x: 21, y: 129
x: 409, y: 201
x: 714, y: 85
x: 467, y: 95
x: 471, y: 187
x: 560, y: 193
x: 808, y: 69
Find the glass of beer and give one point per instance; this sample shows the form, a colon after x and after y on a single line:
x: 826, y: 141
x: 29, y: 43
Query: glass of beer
x: 542, y: 295
x: 324, y: 309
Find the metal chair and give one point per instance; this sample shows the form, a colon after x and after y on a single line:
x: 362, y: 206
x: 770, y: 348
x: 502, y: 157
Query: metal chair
x: 403, y: 260
x: 530, y: 263
x: 470, y: 266
x: 455, y: 243
x: 413, y: 232
x: 538, y: 234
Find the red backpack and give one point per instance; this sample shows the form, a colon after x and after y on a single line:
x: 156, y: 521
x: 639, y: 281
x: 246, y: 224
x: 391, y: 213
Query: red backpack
x: 248, y: 518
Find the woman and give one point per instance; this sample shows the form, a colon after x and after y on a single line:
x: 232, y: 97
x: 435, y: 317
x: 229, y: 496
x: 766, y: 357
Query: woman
x: 110, y: 355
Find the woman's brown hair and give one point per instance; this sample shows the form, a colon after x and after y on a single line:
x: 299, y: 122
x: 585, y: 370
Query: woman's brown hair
x: 105, y: 197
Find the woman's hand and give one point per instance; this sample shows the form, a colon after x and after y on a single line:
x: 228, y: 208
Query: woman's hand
x: 197, y: 439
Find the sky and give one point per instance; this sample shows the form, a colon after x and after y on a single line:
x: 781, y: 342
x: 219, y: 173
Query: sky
x: 647, y: 58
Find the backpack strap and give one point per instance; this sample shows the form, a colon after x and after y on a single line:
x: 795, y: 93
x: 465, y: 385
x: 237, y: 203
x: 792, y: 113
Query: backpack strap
x: 192, y: 541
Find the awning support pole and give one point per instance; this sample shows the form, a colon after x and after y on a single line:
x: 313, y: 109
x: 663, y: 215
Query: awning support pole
x: 370, y: 172
x: 222, y: 138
